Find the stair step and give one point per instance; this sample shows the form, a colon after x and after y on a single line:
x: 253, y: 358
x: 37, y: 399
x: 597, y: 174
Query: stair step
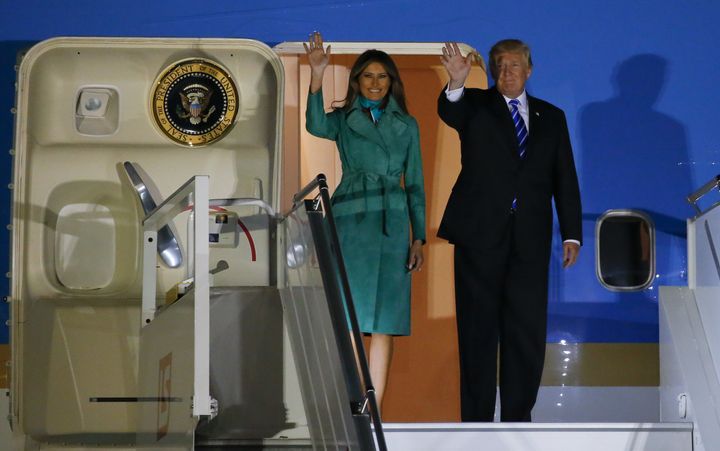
x: 539, y: 436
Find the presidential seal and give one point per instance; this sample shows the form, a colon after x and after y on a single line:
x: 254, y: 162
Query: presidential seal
x: 194, y: 102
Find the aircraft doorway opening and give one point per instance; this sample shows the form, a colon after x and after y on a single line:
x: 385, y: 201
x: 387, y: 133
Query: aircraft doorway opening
x: 625, y: 250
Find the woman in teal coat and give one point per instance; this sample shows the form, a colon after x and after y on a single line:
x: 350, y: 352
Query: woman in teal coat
x: 380, y: 197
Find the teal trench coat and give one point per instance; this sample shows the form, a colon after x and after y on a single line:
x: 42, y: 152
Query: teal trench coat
x: 380, y: 196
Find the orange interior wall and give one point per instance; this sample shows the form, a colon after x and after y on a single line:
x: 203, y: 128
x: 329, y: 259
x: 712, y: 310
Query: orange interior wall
x: 424, y: 376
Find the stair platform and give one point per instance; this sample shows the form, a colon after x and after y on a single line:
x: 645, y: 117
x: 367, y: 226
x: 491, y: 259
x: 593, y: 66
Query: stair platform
x: 539, y: 436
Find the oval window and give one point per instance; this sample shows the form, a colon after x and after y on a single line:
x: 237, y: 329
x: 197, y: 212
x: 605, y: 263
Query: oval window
x: 625, y: 250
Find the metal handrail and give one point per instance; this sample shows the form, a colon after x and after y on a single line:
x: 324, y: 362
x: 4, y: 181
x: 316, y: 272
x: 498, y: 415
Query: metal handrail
x: 320, y: 182
x: 196, y: 192
x: 703, y: 190
x: 298, y: 198
x: 168, y: 246
x: 243, y: 202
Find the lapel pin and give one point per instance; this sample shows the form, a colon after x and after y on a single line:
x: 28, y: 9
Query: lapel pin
x: 537, y: 114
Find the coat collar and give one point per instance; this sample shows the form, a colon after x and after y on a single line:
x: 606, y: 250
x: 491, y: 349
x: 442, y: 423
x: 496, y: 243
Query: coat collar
x: 393, y: 122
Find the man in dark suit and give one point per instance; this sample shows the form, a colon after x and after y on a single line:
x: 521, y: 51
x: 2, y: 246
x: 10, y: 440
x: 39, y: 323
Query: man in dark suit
x: 516, y: 158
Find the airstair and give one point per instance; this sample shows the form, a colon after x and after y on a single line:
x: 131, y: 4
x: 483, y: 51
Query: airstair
x: 333, y: 377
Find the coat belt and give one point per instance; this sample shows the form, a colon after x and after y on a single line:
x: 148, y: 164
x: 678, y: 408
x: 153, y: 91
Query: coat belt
x: 386, y: 182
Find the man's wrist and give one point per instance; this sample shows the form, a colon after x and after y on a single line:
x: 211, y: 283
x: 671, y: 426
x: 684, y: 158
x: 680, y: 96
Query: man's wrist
x: 455, y: 84
x: 453, y: 95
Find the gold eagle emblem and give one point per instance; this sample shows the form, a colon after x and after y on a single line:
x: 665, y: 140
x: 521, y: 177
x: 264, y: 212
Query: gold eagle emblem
x: 195, y: 99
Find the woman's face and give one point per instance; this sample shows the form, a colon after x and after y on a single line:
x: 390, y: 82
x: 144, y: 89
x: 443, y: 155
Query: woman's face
x: 374, y: 82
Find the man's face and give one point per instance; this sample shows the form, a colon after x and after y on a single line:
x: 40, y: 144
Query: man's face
x: 511, y: 73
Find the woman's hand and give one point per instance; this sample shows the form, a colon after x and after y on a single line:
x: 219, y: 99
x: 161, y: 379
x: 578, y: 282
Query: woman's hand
x: 457, y: 66
x: 415, y: 260
x: 318, y: 58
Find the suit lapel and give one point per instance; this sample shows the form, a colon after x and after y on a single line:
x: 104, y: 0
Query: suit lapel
x: 536, y: 124
x: 507, y: 128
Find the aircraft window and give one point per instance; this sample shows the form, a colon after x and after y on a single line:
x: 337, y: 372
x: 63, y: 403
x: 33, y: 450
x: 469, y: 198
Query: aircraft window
x: 625, y: 250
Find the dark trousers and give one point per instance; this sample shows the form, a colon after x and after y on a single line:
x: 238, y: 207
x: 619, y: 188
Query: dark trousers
x: 501, y: 302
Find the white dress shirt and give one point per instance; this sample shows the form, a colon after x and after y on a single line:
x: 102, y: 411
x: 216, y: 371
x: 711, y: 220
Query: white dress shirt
x: 454, y: 95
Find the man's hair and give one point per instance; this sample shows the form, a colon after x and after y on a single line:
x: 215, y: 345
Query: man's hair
x: 508, y: 46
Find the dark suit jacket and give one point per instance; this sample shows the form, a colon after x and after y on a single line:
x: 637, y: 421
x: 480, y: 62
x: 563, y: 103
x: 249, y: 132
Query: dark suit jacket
x: 478, y: 211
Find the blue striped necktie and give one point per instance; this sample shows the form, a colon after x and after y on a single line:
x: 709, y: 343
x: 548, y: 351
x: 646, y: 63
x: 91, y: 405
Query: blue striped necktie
x: 521, y: 133
x: 520, y: 129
